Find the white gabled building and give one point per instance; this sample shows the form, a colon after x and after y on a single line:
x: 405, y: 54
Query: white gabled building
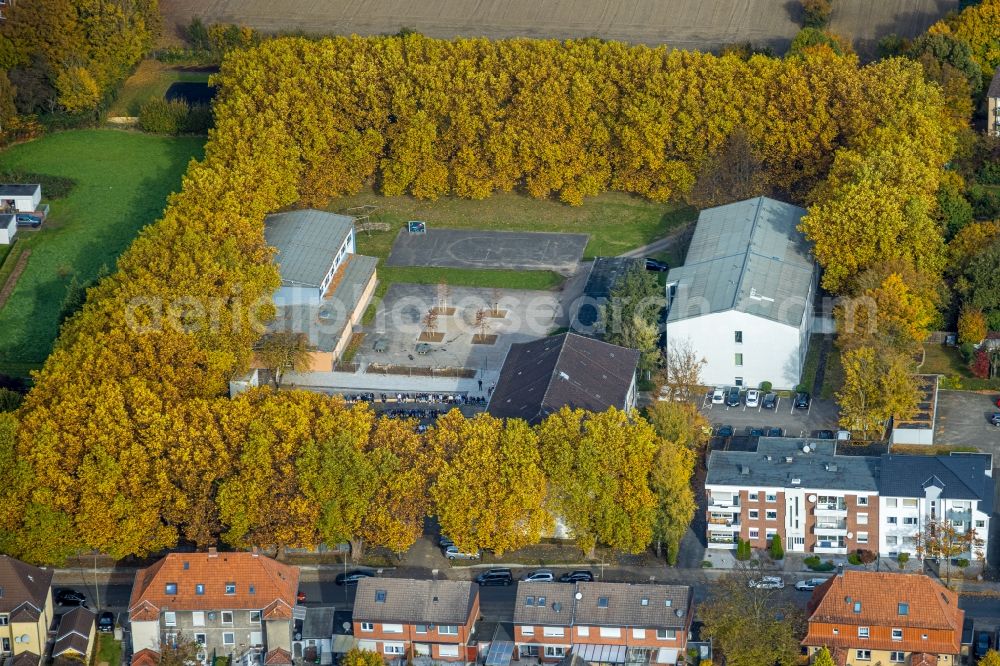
x: 743, y: 300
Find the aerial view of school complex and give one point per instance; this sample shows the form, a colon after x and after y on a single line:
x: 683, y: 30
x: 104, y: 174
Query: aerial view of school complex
x: 499, y: 333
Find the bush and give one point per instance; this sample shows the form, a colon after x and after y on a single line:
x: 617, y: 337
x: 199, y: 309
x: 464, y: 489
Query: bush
x: 9, y: 400
x: 816, y: 13
x: 158, y: 116
x: 765, y: 387
x: 989, y: 174
x: 902, y: 559
x: 962, y: 563
x: 777, y: 551
x: 815, y: 564
x: 985, y: 203
x: 53, y: 187
x: 967, y: 350
x: 854, y: 559
x: 980, y: 366
x: 705, y: 564
x: 199, y: 119
x: 743, y: 550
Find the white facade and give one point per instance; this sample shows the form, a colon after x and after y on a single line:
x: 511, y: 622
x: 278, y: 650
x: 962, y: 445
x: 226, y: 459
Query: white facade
x: 23, y: 203
x: 742, y: 349
x: 145, y: 635
x: 8, y: 229
x: 903, y: 519
x: 292, y: 294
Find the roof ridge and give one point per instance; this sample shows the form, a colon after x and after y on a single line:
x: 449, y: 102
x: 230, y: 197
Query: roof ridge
x: 746, y: 255
x: 555, y: 369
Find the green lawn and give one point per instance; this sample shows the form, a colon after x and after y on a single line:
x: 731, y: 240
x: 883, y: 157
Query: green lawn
x: 123, y: 179
x: 150, y: 81
x: 109, y: 651
x: 947, y: 361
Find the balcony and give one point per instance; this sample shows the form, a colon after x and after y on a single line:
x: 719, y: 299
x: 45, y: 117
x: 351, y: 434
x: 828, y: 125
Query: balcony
x: 721, y: 540
x: 724, y: 503
x: 834, y: 509
x: 722, y: 519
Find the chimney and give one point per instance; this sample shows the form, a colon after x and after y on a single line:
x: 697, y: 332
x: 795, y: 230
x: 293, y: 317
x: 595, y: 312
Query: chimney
x: 213, y: 552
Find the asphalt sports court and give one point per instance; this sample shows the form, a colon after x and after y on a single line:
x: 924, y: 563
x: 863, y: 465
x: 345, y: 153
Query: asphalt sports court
x: 454, y: 248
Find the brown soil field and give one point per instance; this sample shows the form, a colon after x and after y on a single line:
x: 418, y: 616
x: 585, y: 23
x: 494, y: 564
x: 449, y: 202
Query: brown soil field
x: 688, y: 24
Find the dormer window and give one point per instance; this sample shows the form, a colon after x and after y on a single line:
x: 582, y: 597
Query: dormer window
x: 199, y: 588
x: 230, y: 588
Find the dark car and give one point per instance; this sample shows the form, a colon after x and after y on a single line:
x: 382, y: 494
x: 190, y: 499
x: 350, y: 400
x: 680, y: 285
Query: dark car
x: 577, y: 577
x: 982, y: 643
x: 995, y: 419
x: 733, y: 396
x: 756, y: 432
x: 724, y: 431
x: 495, y: 577
x: 106, y: 622
x: 352, y: 577
x: 658, y: 266
x: 29, y: 221
x: 770, y: 401
x: 775, y: 432
x: 801, y: 400
x: 66, y: 597
x: 824, y: 434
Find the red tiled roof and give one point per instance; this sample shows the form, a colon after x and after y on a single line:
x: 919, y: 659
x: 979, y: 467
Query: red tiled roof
x: 278, y: 657
x: 146, y: 657
x: 261, y: 584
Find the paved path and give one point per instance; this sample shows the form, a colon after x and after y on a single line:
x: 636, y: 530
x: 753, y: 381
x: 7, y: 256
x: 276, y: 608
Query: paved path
x: 660, y: 245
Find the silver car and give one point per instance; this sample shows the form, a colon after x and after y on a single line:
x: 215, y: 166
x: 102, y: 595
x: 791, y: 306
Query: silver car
x: 453, y: 553
x: 753, y: 398
x: 809, y: 584
x: 767, y: 583
x: 540, y: 576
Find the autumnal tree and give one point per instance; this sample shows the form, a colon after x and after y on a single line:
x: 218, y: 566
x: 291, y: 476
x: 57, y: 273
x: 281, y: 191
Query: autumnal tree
x: 356, y: 657
x: 816, y: 13
x: 814, y: 39
x: 978, y: 24
x: 954, y: 210
x: 991, y: 658
x: 490, y: 493
x: 942, y: 540
x: 733, y: 173
x: 180, y: 652
x: 430, y: 320
x: 284, y: 350
x: 895, y: 314
x: 969, y: 242
x: 822, y: 658
x: 597, y: 465
x: 670, y: 480
x: 979, y: 366
x: 877, y: 386
x: 682, y: 370
x: 78, y: 90
x: 681, y: 422
x: 971, y: 326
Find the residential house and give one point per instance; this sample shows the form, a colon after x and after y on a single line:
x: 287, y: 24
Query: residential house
x: 993, y: 105
x: 568, y: 370
x: 867, y: 617
x: 232, y: 604
x: 25, y: 609
x: 743, y: 300
x: 313, y: 637
x: 325, y: 286
x: 409, y: 619
x: 602, y: 623
x: 76, y: 635
x: 20, y: 198
x: 817, y: 501
x: 917, y: 491
x: 821, y: 502
x: 8, y: 228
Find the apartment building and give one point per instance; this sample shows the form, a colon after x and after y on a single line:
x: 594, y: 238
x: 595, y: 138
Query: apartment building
x: 602, y: 623
x: 816, y: 500
x: 25, y: 610
x: 408, y: 619
x: 866, y: 618
x: 232, y: 604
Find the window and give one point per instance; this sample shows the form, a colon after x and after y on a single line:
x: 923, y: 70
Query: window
x: 392, y: 648
x: 772, y: 515
x: 448, y: 650
x: 171, y: 588
x: 897, y: 657
x: 200, y: 639
x: 862, y: 500
x: 754, y: 514
x: 739, y: 337
x: 754, y: 533
x: 422, y: 628
x: 754, y: 497
x: 771, y: 497
x: 392, y: 628
x: 528, y: 631
x: 638, y: 634
x: 529, y: 601
x: 602, y: 602
x: 739, y: 381
x: 892, y: 520
x: 863, y: 655
x: 4, y: 620
x: 909, y: 520
x: 230, y: 588
x: 611, y: 632
x: 897, y: 634
x: 540, y: 602
x: 910, y: 503
x: 555, y: 651
x: 891, y: 540
x: 583, y: 631
x: 227, y: 617
x: 862, y: 519
x: 199, y: 588
x: 449, y: 630
x: 552, y: 631
x: 903, y: 609
x: 980, y: 523
x: 228, y: 638
x: 529, y: 650
x: 862, y: 632
x: 666, y: 634
x: 380, y: 596
x: 857, y: 609
x: 862, y: 537
x: 739, y: 360
x: 255, y: 617
x: 836, y: 631
x: 170, y: 618
x: 367, y: 626
x: 198, y: 618
x: 890, y: 502
x: 170, y: 639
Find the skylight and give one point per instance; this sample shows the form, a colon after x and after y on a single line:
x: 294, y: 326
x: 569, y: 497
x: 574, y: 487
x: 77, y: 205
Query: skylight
x: 602, y: 602
x: 904, y: 609
x: 380, y: 596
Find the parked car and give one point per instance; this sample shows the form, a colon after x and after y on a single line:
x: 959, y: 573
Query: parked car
x: 983, y: 643
x: 824, y: 434
x: 770, y: 401
x: 540, y: 576
x: 66, y: 597
x: 775, y: 432
x: 718, y: 396
x: 495, y: 577
x: 581, y: 576
x: 767, y: 583
x: 32, y: 221
x: 733, y: 396
x: 453, y: 553
x: 724, y: 431
x: 753, y: 398
x: 756, y: 431
x: 995, y: 419
x: 809, y: 584
x: 801, y: 400
x: 658, y: 266
x: 352, y: 577
x: 106, y: 622
x: 444, y: 541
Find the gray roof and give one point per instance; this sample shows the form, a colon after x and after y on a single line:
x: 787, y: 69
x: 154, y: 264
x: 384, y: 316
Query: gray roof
x: 307, y: 242
x: 18, y: 189
x: 747, y: 256
x: 820, y: 469
x: 994, y: 89
x: 411, y: 601
x: 74, y: 632
x: 603, y: 604
x: 24, y: 589
x: 318, y: 622
x: 566, y: 370
x: 960, y: 477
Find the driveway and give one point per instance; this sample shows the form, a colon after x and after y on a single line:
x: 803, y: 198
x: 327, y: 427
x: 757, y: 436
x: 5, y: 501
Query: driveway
x: 821, y: 415
x: 963, y: 420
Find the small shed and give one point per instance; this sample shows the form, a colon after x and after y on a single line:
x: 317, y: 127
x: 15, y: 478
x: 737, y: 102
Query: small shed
x: 8, y: 228
x: 21, y: 198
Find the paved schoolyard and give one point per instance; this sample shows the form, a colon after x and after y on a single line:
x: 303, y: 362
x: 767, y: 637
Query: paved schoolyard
x: 963, y: 420
x: 821, y: 415
x: 453, y: 248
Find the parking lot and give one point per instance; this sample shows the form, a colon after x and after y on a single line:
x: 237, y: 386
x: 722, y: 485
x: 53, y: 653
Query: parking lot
x: 963, y: 419
x: 821, y: 415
